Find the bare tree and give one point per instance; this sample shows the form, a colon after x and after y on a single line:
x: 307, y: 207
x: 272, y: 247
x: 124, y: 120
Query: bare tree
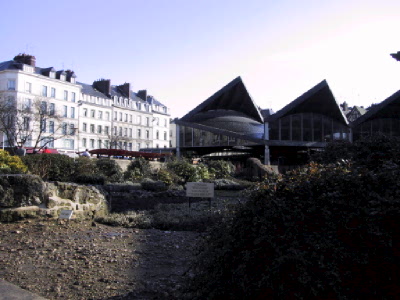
x: 35, y: 122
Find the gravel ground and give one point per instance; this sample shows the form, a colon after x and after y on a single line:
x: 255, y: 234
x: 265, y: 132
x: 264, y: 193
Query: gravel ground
x: 82, y: 261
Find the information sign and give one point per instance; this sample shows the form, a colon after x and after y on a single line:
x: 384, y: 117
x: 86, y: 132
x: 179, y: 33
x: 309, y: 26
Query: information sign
x: 66, y: 214
x: 200, y: 189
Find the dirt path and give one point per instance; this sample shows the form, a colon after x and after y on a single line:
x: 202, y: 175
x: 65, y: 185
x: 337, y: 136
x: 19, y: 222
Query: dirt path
x: 79, y: 261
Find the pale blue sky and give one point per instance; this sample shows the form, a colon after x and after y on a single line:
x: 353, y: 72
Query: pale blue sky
x: 183, y: 51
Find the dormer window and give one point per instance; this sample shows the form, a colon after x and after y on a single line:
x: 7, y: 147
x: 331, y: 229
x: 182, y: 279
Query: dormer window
x: 73, y: 80
x: 52, y: 74
x: 28, y: 68
x: 62, y: 77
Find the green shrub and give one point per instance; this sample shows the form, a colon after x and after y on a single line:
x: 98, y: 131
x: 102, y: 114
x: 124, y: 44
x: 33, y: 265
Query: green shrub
x: 185, y: 171
x: 153, y: 186
x: 220, y: 169
x: 90, y: 179
x: 322, y: 232
x: 109, y: 169
x: 166, y: 176
x: 85, y: 166
x: 53, y: 167
x: 11, y: 164
x: 137, y: 170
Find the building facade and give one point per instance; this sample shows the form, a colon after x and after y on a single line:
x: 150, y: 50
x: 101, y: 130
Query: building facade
x: 71, y: 116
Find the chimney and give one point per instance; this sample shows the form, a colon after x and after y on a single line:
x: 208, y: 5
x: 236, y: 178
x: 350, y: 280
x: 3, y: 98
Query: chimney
x: 142, y: 94
x: 26, y: 59
x: 125, y: 89
x: 345, y: 106
x: 103, y: 86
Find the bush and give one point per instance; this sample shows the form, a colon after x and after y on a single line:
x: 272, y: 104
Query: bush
x: 322, y: 232
x: 137, y: 170
x: 11, y: 164
x: 85, y: 166
x: 185, y: 171
x: 153, y: 186
x: 109, y: 169
x: 90, y: 179
x: 220, y: 169
x: 53, y: 167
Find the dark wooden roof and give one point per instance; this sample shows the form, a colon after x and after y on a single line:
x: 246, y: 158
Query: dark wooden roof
x: 319, y: 99
x: 389, y: 108
x: 232, y: 97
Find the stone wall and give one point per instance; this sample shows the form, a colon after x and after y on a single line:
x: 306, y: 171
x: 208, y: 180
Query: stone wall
x: 28, y: 196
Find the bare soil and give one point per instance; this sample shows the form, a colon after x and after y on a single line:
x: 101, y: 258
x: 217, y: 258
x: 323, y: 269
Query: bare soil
x: 82, y: 261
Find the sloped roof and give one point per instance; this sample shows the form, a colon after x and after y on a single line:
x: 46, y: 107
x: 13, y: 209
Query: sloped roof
x: 232, y: 97
x: 389, y: 108
x: 318, y: 99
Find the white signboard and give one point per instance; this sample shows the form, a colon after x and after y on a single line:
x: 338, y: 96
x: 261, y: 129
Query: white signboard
x: 66, y: 214
x: 200, y: 189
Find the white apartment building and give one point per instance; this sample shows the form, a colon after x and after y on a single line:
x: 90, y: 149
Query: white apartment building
x: 92, y: 116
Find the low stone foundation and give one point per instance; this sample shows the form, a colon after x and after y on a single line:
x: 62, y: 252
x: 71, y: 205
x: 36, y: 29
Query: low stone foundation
x: 23, y: 196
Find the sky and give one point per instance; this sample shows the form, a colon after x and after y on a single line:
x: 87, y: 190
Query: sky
x: 183, y: 51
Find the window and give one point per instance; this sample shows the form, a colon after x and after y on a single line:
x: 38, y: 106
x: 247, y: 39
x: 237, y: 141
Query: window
x: 27, y: 104
x: 115, y: 130
x: 106, y: 129
x: 26, y: 122
x: 120, y: 131
x: 165, y: 122
x: 84, y: 142
x: 147, y: 121
x: 99, y: 129
x: 92, y: 113
x: 69, y: 143
x: 138, y: 146
x: 28, y: 87
x: 107, y: 116
x: 53, y: 92
x: 130, y: 146
x: 107, y: 144
x: 157, y: 135
x: 130, y: 132
x: 71, y: 129
x: 65, y: 95
x: 64, y: 128
x: 72, y: 112
x: 51, y: 126
x: 48, y: 141
x: 99, y: 144
x: 139, y: 133
x: 52, y: 74
x: 73, y: 97
x: 147, y: 134
x: 115, y: 116
x: 165, y: 135
x: 139, y: 119
x: 43, y: 107
x: 130, y: 118
x: 44, y: 91
x: 65, y: 111
x: 92, y: 143
x: 11, y: 84
x: 85, y: 112
x: 126, y: 117
x: 100, y: 114
x: 52, y: 109
x: 120, y: 116
x: 126, y: 132
x: 62, y: 77
x: 92, y: 128
x: 84, y: 128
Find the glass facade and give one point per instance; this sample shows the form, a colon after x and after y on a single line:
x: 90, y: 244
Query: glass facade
x: 389, y: 126
x: 307, y: 127
x: 192, y: 137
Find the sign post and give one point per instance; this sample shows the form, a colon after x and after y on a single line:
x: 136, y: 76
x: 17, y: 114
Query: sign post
x: 199, y: 190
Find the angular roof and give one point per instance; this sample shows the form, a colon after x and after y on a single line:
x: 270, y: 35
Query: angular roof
x: 232, y: 97
x: 318, y: 99
x: 389, y: 108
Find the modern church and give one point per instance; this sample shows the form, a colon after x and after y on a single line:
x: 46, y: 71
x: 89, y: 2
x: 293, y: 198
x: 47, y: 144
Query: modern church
x: 230, y: 125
